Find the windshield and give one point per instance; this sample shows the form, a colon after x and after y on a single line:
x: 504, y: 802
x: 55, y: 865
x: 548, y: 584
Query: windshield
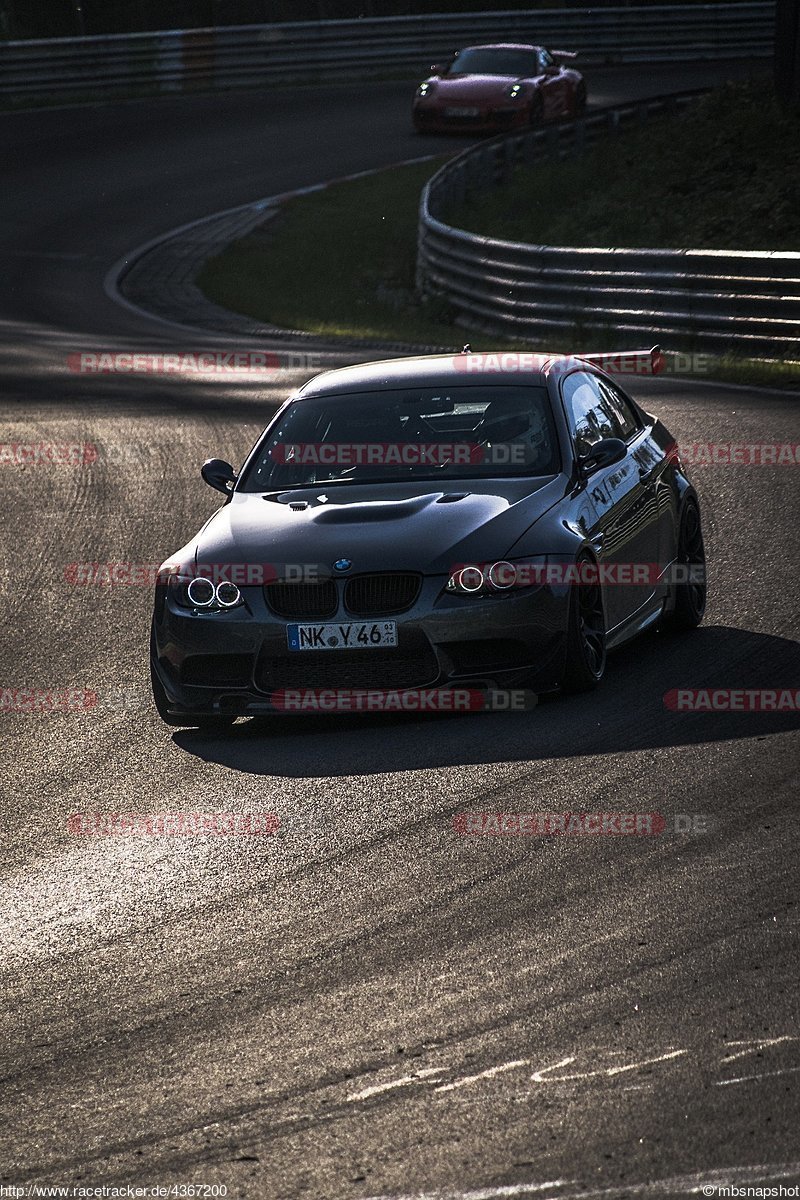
x: 400, y: 436
x: 515, y: 63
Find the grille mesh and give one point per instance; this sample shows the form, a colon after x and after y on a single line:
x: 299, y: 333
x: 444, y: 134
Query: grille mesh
x: 379, y: 595
x: 375, y: 595
x: 302, y: 599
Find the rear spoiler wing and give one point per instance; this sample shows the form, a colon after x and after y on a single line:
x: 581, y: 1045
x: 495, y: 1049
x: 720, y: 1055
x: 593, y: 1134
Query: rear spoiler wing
x: 565, y: 53
x: 629, y: 362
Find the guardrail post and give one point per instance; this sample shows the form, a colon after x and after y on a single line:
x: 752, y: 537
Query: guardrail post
x: 169, y: 63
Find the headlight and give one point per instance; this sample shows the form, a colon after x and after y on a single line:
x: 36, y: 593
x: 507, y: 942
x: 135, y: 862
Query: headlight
x: 424, y: 89
x: 501, y: 576
x: 467, y: 580
x: 515, y: 92
x: 228, y: 594
x: 201, y: 592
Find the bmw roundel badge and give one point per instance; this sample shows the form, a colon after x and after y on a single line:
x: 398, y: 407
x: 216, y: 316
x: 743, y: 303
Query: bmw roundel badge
x: 342, y: 564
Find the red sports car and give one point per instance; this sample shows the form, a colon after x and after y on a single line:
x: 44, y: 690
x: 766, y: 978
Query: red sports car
x: 497, y: 87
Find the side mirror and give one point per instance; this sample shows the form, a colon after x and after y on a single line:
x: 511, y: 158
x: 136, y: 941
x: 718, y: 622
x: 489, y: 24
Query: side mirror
x: 439, y: 68
x: 218, y: 474
x: 604, y: 453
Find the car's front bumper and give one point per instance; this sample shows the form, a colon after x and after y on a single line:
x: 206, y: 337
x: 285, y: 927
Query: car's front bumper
x: 238, y: 662
x: 434, y: 119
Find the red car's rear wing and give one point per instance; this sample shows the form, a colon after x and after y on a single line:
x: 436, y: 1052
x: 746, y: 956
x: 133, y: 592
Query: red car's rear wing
x: 629, y: 362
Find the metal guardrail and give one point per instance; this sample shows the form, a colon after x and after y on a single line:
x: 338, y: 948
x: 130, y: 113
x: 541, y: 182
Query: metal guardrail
x: 252, y: 55
x: 717, y: 300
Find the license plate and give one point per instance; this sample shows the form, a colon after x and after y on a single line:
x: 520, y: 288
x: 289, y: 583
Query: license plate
x: 462, y: 112
x: 376, y: 635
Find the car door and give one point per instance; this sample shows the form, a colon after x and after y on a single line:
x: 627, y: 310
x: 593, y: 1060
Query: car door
x: 652, y: 465
x: 625, y: 530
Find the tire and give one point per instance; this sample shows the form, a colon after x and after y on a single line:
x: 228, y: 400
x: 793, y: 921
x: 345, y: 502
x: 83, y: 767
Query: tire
x: 690, y: 596
x: 585, y: 662
x: 580, y: 99
x: 209, y: 725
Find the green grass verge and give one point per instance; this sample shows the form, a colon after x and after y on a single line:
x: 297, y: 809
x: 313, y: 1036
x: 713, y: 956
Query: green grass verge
x: 341, y: 263
x: 725, y: 175
x: 338, y: 262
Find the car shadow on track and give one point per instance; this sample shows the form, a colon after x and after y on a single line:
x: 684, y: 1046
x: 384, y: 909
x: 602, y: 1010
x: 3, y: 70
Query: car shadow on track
x: 627, y: 713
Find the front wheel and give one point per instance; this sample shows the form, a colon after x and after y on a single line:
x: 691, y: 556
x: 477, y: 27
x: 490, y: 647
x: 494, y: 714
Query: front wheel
x: 586, y: 635
x: 536, y: 112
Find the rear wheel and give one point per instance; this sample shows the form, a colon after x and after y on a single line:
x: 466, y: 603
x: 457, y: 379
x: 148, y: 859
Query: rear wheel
x: 586, y: 636
x: 690, y: 592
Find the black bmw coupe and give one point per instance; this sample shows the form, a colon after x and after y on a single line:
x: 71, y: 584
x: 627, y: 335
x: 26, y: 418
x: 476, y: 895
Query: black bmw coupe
x: 483, y: 521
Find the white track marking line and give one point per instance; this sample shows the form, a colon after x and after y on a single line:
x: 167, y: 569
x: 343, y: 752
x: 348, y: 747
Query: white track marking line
x: 492, y: 1071
x: 489, y: 1193
x: 750, y: 1078
x: 756, y: 1044
x: 692, y: 1184
x: 540, y: 1076
x: 646, y: 1062
x: 404, y: 1081
x: 536, y: 1077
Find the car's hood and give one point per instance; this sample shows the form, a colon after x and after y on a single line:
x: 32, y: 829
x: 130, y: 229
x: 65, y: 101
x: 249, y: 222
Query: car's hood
x: 473, y: 89
x: 379, y: 528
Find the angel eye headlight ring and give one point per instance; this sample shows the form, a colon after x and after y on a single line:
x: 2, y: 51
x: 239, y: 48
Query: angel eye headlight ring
x: 201, y: 592
x: 227, y: 594
x: 470, y: 579
x: 502, y: 575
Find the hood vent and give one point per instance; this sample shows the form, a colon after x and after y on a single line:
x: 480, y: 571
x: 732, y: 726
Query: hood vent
x: 376, y: 510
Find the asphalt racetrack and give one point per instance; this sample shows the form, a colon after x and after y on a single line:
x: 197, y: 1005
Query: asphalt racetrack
x: 366, y: 1003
